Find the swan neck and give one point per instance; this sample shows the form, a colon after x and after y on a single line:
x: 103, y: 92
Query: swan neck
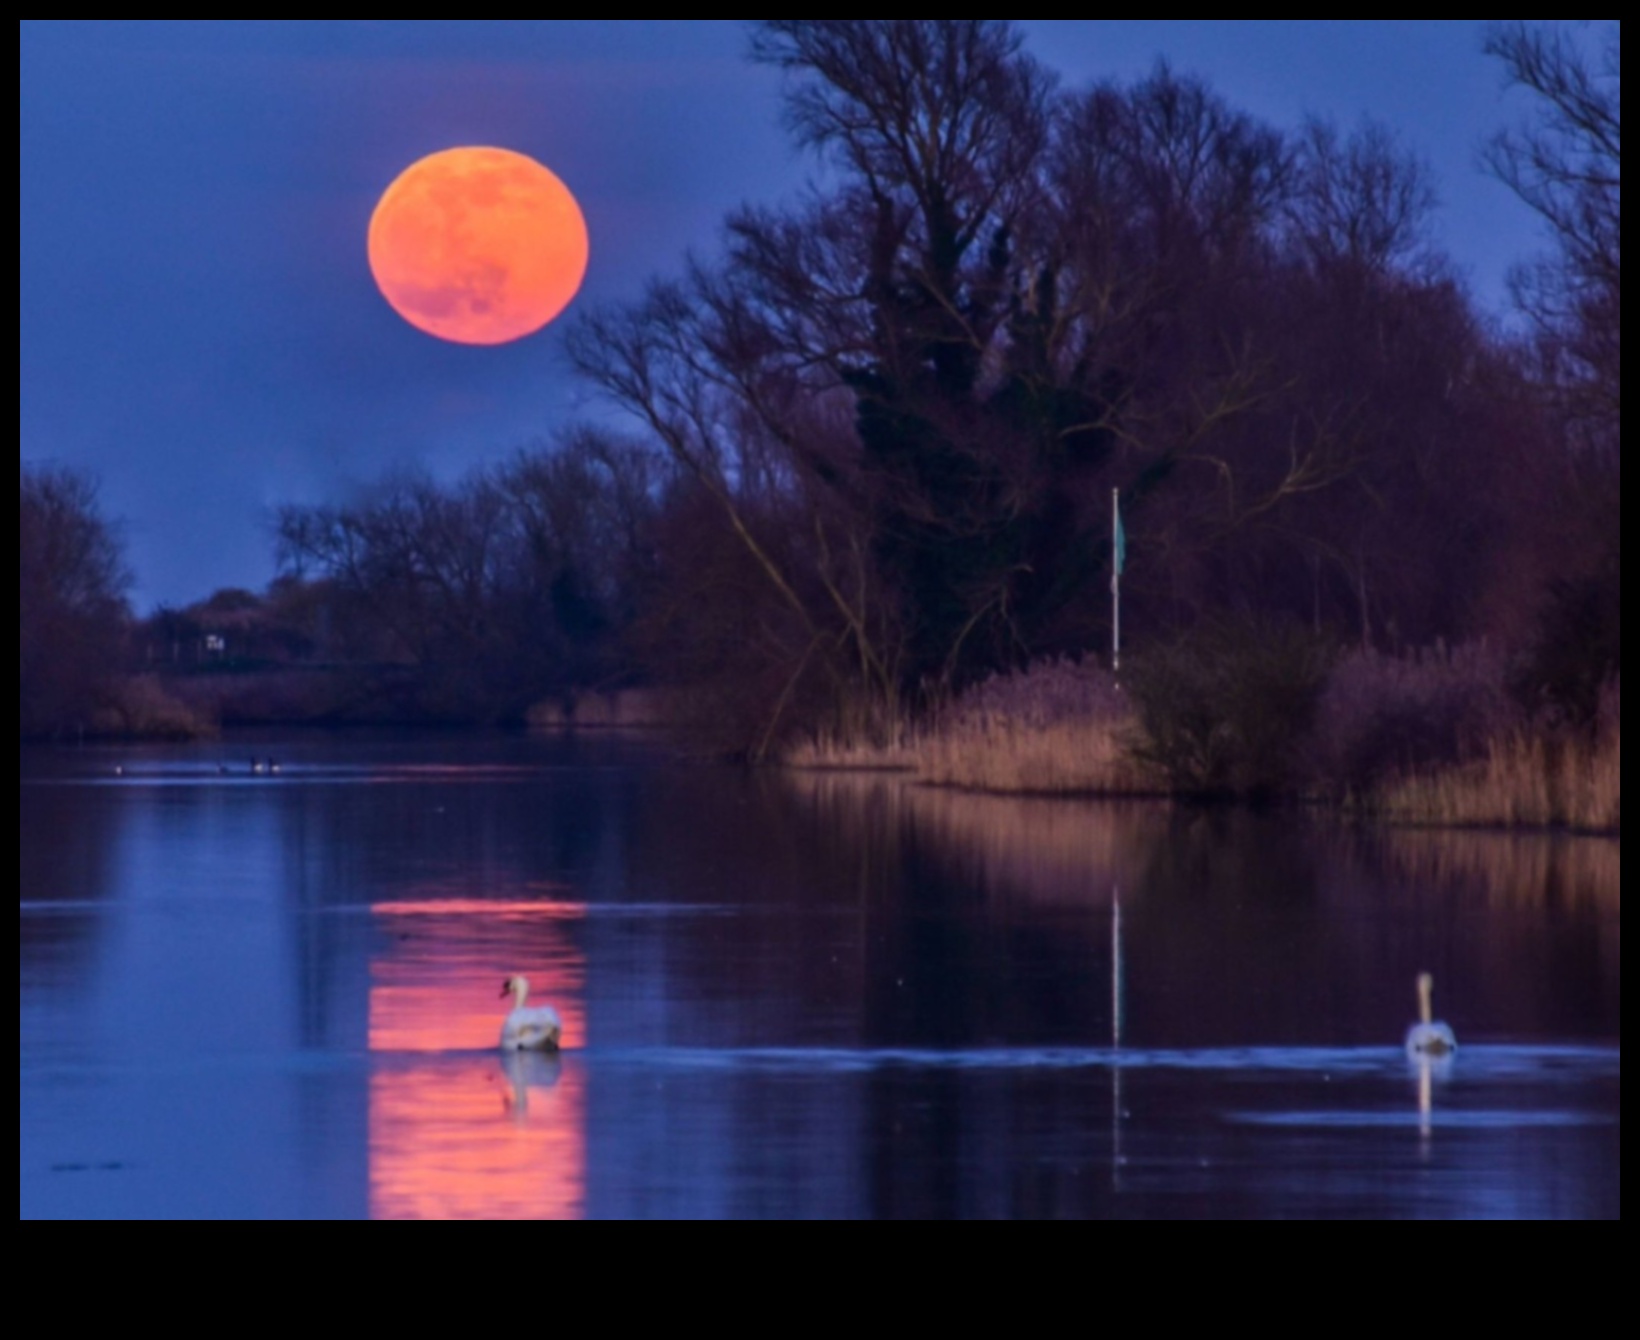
x: 1426, y: 1001
x: 521, y: 992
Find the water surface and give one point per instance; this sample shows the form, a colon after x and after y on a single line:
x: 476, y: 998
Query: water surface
x: 786, y: 997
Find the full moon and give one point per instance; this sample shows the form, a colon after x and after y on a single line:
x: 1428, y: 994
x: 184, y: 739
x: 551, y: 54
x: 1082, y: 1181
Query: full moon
x: 478, y: 246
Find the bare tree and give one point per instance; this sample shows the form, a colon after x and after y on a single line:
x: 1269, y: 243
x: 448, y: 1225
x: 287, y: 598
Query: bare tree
x: 830, y: 386
x: 1567, y: 165
x: 897, y: 408
x: 1361, y: 200
x: 72, y: 584
x: 497, y: 590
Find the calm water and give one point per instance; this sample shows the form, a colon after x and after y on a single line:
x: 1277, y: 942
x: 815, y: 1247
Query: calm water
x: 786, y: 997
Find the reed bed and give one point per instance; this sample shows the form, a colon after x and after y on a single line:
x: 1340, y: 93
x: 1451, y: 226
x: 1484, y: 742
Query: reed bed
x: 1524, y: 781
x: 142, y: 708
x: 1088, y: 757
x: 833, y: 753
x: 1062, y: 728
x: 1431, y: 740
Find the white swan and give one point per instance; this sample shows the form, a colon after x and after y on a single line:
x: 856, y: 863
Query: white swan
x: 1428, y: 1038
x: 526, y: 1029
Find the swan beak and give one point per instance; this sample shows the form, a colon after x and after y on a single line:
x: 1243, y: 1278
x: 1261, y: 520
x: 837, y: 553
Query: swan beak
x: 506, y: 990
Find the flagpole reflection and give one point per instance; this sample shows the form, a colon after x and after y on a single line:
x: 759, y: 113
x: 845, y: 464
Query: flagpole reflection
x: 1116, y: 992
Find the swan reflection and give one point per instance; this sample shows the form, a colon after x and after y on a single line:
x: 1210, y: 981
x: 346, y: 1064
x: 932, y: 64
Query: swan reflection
x: 524, y: 1071
x: 1429, y: 1071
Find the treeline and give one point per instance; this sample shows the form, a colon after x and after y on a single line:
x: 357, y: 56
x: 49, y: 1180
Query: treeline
x: 71, y: 601
x: 875, y: 442
x: 524, y: 580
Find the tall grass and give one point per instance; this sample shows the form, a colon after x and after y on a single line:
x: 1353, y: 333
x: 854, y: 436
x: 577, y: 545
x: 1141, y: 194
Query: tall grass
x: 1431, y: 739
x: 1088, y: 757
x: 1061, y: 728
x: 831, y: 752
x: 1526, y: 780
x: 141, y: 708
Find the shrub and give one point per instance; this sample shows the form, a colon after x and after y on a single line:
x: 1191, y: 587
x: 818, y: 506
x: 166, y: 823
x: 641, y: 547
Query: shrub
x: 1226, y: 709
x: 1579, y: 647
x: 1379, y: 715
x: 140, y: 707
x: 1059, y: 728
x: 1047, y: 694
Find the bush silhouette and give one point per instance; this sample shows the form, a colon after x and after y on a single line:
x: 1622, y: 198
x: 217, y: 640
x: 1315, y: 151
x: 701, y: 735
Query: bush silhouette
x: 1224, y: 709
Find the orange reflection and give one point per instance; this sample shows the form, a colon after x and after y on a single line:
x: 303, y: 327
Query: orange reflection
x: 456, y: 1130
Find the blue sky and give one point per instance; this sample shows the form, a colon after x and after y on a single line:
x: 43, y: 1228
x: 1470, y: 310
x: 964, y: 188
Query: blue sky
x: 197, y: 322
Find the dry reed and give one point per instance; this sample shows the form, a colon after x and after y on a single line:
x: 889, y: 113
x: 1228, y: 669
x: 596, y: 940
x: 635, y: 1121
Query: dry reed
x: 833, y: 753
x: 1089, y: 757
x: 142, y: 709
x: 1061, y: 728
x: 1067, y: 728
x: 1525, y: 781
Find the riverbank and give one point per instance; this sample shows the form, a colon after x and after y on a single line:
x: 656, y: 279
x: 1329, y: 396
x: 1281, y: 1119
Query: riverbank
x: 200, y: 705
x: 1424, y: 741
x: 175, y: 706
x: 1523, y: 782
x: 140, y: 709
x: 1430, y: 742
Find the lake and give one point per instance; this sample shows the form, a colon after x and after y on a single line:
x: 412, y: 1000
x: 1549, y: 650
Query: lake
x: 786, y: 996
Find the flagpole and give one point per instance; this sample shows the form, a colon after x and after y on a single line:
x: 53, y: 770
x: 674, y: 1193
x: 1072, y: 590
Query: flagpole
x: 1117, y: 545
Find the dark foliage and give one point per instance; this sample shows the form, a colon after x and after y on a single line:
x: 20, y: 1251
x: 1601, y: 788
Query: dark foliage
x: 491, y: 594
x: 71, y: 587
x: 907, y: 399
x: 1382, y: 716
x: 881, y: 434
x: 1579, y: 648
x: 1226, y: 710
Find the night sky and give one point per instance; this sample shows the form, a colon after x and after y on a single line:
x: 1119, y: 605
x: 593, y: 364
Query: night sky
x: 197, y: 321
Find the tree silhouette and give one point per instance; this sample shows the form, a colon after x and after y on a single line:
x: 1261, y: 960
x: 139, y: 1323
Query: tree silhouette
x: 72, y: 583
x: 1567, y: 165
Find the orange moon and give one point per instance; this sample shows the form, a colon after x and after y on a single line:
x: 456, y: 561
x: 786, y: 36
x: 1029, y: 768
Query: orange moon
x: 478, y: 246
